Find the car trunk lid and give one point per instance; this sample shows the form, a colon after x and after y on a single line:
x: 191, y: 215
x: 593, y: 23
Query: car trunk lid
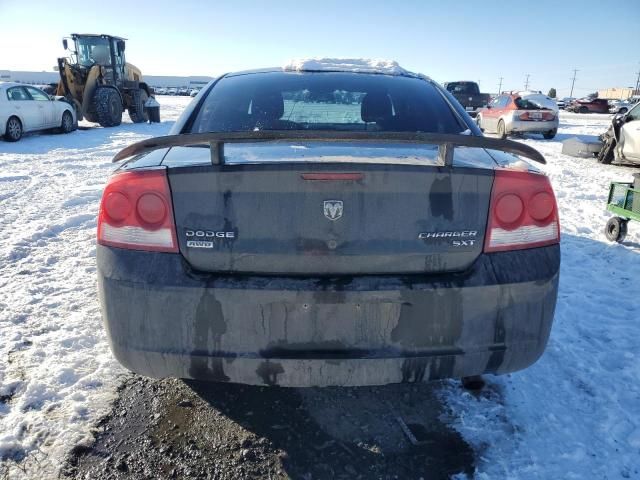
x: 330, y: 209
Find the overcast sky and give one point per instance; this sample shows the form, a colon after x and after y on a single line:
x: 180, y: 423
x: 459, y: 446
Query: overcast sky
x: 462, y: 40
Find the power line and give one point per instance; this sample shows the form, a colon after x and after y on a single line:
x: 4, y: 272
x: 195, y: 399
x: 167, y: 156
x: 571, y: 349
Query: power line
x: 573, y: 82
x: 500, y: 86
x: 526, y: 82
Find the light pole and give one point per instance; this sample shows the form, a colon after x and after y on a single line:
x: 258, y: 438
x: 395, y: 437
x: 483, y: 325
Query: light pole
x: 573, y: 82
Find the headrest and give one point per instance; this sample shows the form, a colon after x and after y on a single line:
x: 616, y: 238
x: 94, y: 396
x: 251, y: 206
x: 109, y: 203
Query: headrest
x: 268, y: 105
x: 376, y: 107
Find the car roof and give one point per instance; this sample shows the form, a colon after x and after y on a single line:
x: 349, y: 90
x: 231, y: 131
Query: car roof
x: 342, y: 65
x: 280, y: 70
x: 15, y: 84
x: 102, y: 35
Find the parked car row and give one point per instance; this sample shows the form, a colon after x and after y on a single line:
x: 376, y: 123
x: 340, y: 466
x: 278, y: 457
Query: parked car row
x: 25, y: 108
x: 183, y: 91
x: 596, y: 105
x: 589, y: 105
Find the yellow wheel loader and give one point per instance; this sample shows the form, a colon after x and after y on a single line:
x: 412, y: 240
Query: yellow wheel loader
x: 101, y: 85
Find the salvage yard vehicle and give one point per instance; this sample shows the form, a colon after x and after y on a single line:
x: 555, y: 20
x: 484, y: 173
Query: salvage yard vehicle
x: 511, y: 113
x: 622, y: 139
x: 322, y: 224
x: 469, y: 96
x: 563, y: 103
x: 588, y: 105
x: 25, y: 108
x: 619, y: 106
x: 98, y: 81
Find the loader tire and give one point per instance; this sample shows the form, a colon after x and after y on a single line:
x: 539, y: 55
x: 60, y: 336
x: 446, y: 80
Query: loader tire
x: 108, y: 107
x: 137, y: 112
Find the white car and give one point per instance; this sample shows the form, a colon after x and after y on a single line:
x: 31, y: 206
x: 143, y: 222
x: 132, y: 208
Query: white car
x: 25, y: 108
x: 619, y: 106
x: 622, y: 139
x: 628, y: 145
x: 161, y: 91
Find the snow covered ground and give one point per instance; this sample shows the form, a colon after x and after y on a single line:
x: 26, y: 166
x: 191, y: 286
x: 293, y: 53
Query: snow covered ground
x: 575, y: 414
x: 57, y: 375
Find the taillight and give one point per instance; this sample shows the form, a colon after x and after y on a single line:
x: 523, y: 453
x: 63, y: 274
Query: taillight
x: 136, y: 212
x: 523, y: 212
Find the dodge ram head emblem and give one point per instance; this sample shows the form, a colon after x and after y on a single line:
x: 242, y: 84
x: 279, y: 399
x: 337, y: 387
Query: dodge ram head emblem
x: 333, y: 209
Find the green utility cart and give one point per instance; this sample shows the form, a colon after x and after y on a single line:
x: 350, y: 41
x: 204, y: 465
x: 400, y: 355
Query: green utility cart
x: 624, y: 201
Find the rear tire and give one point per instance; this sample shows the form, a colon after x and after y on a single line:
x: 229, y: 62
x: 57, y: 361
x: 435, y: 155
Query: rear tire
x: 605, y: 155
x: 550, y: 134
x: 108, y: 107
x: 13, y: 131
x: 616, y: 229
x: 66, y: 125
x: 137, y: 112
x: 501, y: 130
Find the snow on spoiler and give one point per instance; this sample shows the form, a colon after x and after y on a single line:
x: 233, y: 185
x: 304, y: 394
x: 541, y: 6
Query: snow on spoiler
x: 446, y: 142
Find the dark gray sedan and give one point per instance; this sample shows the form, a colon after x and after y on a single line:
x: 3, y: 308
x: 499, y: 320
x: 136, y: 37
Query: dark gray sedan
x: 310, y: 228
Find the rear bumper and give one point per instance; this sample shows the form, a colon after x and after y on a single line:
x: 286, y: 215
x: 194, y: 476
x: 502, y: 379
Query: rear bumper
x: 532, y: 126
x: 164, y: 320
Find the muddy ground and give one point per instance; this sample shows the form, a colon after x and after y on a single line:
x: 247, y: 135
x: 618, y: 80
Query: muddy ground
x: 193, y: 430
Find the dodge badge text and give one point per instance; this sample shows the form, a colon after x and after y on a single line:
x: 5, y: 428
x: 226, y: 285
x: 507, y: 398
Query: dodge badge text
x: 461, y: 238
x: 204, y: 238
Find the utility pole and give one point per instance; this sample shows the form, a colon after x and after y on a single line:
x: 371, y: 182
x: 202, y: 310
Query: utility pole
x: 573, y: 82
x: 636, y: 92
x: 526, y: 82
x: 500, y: 86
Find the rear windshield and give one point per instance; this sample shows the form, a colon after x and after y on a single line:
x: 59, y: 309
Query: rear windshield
x: 524, y: 104
x: 325, y: 101
x: 464, y: 88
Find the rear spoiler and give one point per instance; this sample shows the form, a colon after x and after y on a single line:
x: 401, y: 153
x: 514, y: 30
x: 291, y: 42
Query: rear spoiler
x: 446, y: 142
